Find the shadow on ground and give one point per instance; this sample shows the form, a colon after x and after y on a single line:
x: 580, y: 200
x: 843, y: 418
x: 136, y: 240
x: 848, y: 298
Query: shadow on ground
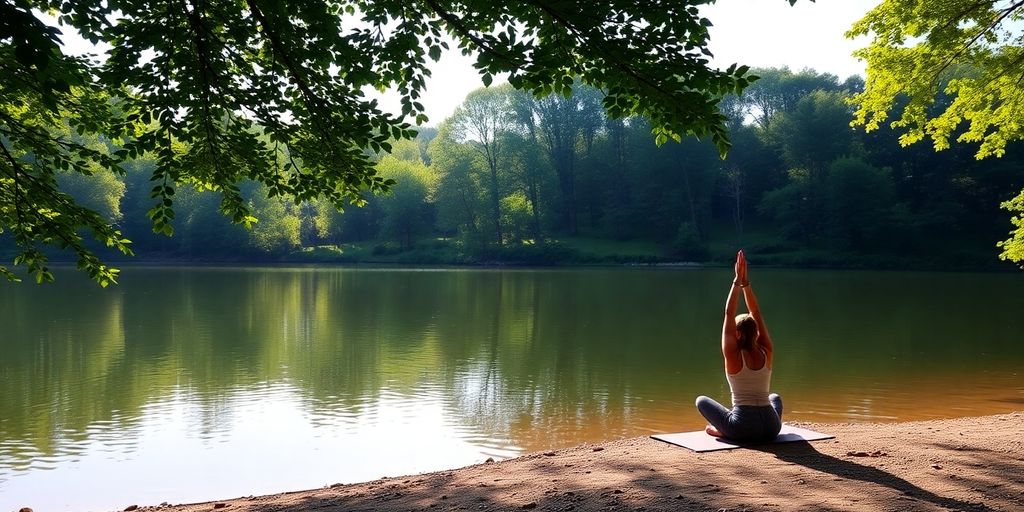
x: 794, y: 476
x: 804, y: 454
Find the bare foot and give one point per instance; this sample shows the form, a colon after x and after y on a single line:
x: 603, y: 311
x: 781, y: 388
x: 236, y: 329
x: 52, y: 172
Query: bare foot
x: 712, y: 431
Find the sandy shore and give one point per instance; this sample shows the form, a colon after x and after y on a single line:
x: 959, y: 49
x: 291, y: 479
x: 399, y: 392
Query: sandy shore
x: 958, y: 464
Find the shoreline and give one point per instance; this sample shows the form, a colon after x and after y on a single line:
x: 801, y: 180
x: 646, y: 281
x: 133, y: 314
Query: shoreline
x: 389, y: 265
x: 972, y: 463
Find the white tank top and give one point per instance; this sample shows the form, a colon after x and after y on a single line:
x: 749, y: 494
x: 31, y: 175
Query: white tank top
x: 750, y: 387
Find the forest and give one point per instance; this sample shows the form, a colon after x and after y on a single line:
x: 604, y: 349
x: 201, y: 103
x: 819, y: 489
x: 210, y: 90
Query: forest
x: 513, y: 179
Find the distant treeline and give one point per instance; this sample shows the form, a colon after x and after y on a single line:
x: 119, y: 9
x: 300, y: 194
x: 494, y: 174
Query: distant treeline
x: 511, y: 178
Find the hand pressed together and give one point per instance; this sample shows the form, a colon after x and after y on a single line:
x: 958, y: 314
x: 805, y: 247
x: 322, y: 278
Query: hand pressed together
x: 741, y: 269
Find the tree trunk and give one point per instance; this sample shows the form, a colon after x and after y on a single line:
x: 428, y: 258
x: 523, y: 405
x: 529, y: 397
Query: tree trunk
x: 496, y: 204
x: 735, y: 177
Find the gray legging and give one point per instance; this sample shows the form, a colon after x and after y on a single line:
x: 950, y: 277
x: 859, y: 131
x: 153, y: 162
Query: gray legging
x: 744, y: 423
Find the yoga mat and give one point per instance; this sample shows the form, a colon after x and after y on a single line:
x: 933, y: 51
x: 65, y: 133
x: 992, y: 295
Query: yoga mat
x: 699, y: 441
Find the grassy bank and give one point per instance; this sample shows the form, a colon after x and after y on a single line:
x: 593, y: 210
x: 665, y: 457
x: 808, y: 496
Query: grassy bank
x: 762, y: 248
x: 583, y: 251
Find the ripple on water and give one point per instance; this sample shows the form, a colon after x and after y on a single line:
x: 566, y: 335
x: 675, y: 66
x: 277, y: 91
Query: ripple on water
x: 17, y: 455
x: 46, y: 462
x: 333, y: 413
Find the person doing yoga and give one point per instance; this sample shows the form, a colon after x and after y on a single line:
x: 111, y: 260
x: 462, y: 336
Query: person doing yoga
x: 748, y: 350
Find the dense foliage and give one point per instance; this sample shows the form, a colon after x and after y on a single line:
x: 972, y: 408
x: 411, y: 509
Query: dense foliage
x: 512, y: 178
x: 218, y: 93
x: 948, y: 71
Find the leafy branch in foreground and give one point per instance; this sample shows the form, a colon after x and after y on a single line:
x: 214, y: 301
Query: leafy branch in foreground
x: 221, y: 92
x: 35, y: 100
x: 953, y: 70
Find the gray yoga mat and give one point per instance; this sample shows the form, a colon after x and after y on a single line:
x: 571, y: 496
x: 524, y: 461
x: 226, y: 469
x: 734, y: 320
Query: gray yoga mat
x: 699, y: 441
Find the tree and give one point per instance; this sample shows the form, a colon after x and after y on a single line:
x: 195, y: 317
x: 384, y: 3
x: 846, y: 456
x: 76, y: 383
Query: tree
x: 278, y: 227
x: 360, y: 224
x: 202, y: 231
x: 523, y: 106
x: 860, y: 202
x: 953, y: 71
x: 562, y: 124
x: 101, y: 190
x: 406, y: 214
x: 1013, y: 248
x: 480, y: 121
x: 218, y: 91
x: 814, y: 132
x: 778, y: 90
x: 788, y: 207
x: 674, y: 185
x: 694, y: 163
x: 527, y: 170
x: 459, y: 191
x: 351, y: 225
x: 734, y: 172
x: 612, y: 160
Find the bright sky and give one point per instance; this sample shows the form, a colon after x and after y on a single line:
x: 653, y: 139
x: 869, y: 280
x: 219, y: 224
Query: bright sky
x: 771, y: 33
x: 758, y: 33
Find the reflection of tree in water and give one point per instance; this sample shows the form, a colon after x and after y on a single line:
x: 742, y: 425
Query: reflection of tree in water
x: 526, y: 358
x: 57, y: 372
x: 564, y: 355
x: 364, y: 332
x: 83, y: 363
x: 341, y: 338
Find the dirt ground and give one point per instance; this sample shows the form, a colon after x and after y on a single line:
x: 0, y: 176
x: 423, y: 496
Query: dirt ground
x: 958, y: 464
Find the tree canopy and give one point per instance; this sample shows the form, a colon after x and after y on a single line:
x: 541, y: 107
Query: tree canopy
x: 272, y: 92
x: 948, y: 71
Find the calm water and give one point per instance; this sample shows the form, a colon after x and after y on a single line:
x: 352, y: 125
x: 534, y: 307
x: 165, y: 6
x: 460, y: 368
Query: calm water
x: 189, y: 384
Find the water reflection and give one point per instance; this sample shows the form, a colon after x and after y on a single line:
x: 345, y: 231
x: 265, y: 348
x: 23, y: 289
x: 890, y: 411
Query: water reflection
x: 185, y: 384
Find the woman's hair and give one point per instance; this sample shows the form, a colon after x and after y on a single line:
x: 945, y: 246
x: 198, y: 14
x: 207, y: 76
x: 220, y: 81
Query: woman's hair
x: 747, y: 328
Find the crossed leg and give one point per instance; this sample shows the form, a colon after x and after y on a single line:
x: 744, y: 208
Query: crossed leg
x: 716, y: 414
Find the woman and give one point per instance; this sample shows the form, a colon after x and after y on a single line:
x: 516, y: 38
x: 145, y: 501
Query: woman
x: 747, y: 349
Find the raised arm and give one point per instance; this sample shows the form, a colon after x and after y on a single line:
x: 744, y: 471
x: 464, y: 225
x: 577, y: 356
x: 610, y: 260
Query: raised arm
x: 729, y: 322
x: 752, y: 305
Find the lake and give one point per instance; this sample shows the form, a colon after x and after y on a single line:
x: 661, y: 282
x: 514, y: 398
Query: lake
x: 186, y: 384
